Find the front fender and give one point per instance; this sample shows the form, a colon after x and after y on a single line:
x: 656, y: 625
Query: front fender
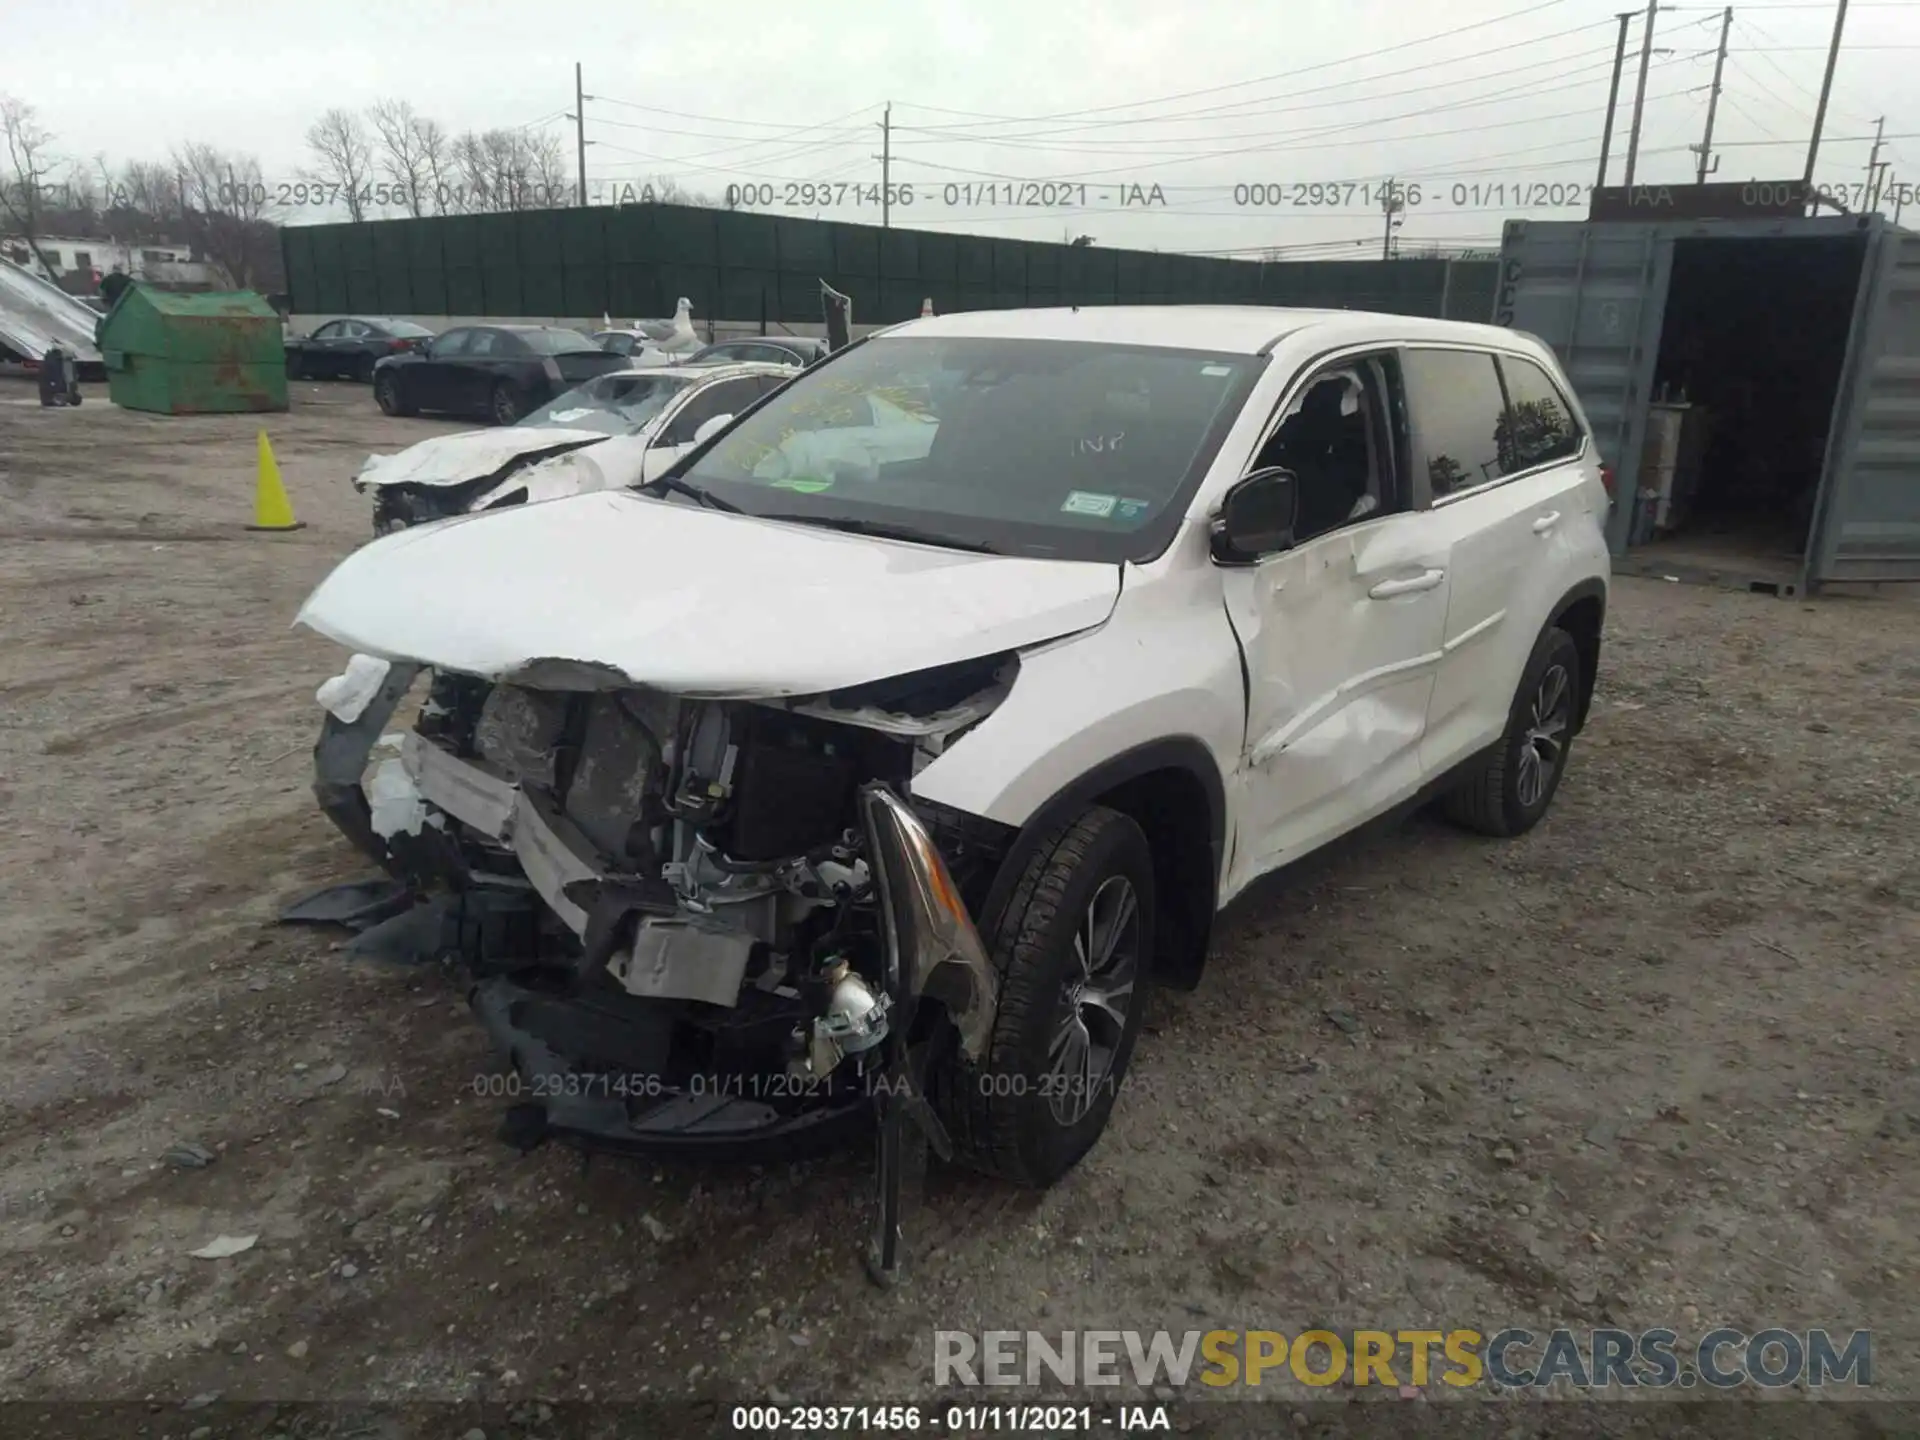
x: 1165, y: 665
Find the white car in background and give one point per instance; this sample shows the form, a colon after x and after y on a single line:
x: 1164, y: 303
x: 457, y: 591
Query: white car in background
x: 620, y: 429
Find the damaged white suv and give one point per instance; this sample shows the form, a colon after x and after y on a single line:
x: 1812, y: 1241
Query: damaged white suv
x: 876, y: 758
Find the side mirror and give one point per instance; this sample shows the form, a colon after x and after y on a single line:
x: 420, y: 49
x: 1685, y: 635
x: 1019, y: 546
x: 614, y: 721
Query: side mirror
x: 1256, y: 518
x: 711, y: 426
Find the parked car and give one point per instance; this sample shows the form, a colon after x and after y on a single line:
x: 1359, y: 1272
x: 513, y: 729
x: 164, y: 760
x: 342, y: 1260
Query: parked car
x: 875, y: 760
x: 635, y: 337
x: 498, y: 372
x: 795, y: 350
x: 618, y: 429
x: 349, y: 348
x: 655, y: 342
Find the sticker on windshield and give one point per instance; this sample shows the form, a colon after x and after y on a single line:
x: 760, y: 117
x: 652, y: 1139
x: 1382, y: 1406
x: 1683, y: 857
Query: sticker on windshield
x: 805, y: 484
x: 1086, y: 502
x: 1216, y: 369
x: 561, y: 417
x: 1132, y: 509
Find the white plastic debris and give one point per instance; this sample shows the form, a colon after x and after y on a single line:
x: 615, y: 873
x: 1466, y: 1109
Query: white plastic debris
x: 347, y: 695
x: 394, y: 800
x: 221, y: 1246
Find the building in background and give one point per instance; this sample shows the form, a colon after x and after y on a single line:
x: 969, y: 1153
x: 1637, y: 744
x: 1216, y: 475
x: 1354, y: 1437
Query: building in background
x: 78, y: 264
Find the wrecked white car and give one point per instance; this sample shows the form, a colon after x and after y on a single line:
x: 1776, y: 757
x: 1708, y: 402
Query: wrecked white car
x: 637, y: 423
x: 871, y: 762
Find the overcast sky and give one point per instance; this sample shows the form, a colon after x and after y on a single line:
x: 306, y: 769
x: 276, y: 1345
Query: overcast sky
x: 1196, y: 97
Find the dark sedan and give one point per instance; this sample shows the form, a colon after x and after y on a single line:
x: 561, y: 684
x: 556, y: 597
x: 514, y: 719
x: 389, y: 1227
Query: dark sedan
x: 796, y: 350
x: 499, y: 372
x: 349, y: 348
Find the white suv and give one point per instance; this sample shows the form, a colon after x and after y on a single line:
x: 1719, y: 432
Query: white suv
x: 896, y: 739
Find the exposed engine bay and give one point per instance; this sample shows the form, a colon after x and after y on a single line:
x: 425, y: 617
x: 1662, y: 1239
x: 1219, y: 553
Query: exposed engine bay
x: 688, y: 925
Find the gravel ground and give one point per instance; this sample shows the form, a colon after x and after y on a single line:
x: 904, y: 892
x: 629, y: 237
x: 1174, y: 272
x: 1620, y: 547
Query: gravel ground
x: 1651, y: 1065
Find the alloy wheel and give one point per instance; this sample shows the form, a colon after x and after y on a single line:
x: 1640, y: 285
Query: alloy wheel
x: 1544, y: 743
x: 1094, y: 1000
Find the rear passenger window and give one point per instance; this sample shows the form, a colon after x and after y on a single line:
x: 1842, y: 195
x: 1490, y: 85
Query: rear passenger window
x: 1539, y: 427
x: 1458, y: 416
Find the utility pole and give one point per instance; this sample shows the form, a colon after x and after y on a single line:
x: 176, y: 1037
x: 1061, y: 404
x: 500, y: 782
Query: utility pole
x: 1875, y: 165
x: 1826, y: 89
x: 886, y: 165
x: 1640, y: 89
x: 580, y: 129
x: 1613, y: 94
x: 1389, y: 205
x: 1707, y: 164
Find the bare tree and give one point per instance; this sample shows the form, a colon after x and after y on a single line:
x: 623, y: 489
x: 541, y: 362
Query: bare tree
x: 547, y: 168
x: 397, y: 128
x: 669, y: 191
x: 436, y: 161
x: 24, y: 188
x: 223, y: 213
x: 499, y: 170
x: 343, y: 157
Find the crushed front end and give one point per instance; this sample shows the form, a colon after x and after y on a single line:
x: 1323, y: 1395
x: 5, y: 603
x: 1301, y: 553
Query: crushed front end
x: 689, y: 926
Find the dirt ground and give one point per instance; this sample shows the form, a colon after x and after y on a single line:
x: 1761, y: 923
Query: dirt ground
x: 1652, y: 1065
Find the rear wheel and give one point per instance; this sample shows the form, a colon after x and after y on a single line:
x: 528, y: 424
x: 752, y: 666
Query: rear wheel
x: 1509, y: 789
x: 1073, y: 953
x: 386, y: 394
x: 504, y: 404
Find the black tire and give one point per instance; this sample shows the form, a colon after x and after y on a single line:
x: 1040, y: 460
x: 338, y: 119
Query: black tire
x: 504, y: 404
x: 1014, y: 1115
x: 363, y: 369
x: 386, y: 394
x: 1505, y: 794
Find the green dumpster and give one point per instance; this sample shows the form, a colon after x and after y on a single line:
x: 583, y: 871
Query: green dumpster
x: 180, y: 354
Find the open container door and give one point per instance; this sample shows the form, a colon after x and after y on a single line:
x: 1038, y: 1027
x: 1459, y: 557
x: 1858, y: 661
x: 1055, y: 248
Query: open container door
x: 1867, y: 515
x: 1597, y: 294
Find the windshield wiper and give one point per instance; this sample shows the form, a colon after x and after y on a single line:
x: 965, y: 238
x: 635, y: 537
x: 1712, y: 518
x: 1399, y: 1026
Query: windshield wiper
x: 693, y: 492
x: 883, y: 530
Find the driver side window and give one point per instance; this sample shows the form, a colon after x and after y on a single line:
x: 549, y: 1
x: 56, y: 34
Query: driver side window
x: 1335, y: 436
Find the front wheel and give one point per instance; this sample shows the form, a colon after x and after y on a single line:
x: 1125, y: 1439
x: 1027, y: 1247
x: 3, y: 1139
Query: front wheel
x: 1509, y: 788
x: 1073, y: 952
x: 386, y: 394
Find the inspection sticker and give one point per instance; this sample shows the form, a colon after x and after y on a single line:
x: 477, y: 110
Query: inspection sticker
x: 1133, y: 509
x: 1086, y: 502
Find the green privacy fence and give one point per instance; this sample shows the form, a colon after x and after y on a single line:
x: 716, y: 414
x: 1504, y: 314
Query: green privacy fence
x: 637, y: 260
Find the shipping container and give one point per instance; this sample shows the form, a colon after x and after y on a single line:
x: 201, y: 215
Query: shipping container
x: 1792, y: 345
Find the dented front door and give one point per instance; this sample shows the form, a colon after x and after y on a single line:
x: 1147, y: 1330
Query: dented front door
x: 1341, y: 636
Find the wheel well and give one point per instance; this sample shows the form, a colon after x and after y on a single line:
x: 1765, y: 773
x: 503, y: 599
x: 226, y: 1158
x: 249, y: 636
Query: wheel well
x: 1582, y: 620
x: 1174, y: 809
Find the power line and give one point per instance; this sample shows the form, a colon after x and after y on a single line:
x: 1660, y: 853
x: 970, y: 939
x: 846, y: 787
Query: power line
x: 1283, y: 74
x: 1232, y: 110
x: 1547, y: 84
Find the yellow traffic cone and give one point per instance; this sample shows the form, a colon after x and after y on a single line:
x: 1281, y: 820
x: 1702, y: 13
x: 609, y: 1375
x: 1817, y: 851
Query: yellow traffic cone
x: 271, y: 508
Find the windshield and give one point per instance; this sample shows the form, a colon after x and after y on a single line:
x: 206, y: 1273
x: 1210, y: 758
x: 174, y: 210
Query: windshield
x: 617, y: 404
x: 1067, y: 449
x: 556, y: 342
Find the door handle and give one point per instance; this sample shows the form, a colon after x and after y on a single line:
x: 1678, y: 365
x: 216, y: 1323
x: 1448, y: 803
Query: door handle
x: 1412, y: 585
x: 1546, y: 522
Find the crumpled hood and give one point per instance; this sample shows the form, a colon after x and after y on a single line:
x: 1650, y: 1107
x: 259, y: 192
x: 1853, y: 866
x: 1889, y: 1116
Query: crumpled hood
x: 694, y: 602
x: 470, y: 455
